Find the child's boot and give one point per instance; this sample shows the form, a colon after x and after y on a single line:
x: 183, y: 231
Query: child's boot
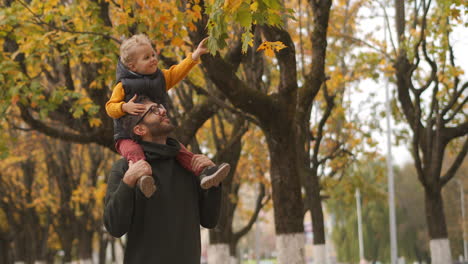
x: 146, y: 185
x: 212, y: 176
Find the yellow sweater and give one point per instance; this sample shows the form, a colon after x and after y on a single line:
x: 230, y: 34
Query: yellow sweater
x: 173, y: 75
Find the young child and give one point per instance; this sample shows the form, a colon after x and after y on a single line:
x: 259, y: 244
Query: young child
x: 138, y: 74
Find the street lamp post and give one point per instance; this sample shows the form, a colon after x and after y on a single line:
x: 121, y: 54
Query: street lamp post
x: 462, y: 205
x: 391, y: 185
x: 359, y: 218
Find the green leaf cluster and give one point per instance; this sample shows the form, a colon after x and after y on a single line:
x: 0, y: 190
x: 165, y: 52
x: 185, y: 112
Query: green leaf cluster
x: 226, y: 15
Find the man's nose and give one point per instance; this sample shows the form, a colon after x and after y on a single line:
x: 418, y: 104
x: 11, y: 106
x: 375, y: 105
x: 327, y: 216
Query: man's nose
x: 162, y: 112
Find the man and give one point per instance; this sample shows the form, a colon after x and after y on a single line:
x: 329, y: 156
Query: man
x: 164, y: 228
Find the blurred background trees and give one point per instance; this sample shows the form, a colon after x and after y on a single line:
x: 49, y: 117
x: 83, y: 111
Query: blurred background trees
x: 290, y: 97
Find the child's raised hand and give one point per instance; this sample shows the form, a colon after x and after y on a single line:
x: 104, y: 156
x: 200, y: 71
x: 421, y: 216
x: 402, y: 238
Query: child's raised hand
x: 201, y: 49
x: 133, y: 108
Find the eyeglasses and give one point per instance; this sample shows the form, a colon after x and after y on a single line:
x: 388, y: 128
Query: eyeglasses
x: 155, y: 109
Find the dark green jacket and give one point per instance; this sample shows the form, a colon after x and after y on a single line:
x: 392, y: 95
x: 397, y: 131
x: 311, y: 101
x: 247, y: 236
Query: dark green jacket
x: 164, y: 229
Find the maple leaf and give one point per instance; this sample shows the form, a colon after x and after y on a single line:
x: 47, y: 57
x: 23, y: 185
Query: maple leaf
x: 271, y: 47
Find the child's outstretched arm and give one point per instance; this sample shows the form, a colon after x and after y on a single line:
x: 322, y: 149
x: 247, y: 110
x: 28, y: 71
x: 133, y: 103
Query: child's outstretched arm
x: 116, y: 106
x: 176, y: 73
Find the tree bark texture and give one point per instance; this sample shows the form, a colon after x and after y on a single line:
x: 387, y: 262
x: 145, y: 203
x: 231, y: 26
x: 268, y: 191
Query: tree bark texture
x: 435, y: 215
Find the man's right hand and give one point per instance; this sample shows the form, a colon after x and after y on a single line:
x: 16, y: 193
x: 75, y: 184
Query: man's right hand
x: 135, y: 171
x: 133, y: 108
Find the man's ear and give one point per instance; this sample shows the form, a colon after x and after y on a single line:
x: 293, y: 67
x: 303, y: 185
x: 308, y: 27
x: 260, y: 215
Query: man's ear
x: 140, y: 130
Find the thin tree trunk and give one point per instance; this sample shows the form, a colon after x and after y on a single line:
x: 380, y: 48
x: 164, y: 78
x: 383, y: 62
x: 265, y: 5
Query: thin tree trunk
x: 103, y: 242
x: 5, y: 249
x: 85, y: 249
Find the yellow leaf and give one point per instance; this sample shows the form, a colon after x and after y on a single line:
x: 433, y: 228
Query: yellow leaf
x: 269, y: 52
x: 232, y: 5
x: 254, y: 6
x: 271, y: 47
x: 177, y: 41
x: 95, y: 122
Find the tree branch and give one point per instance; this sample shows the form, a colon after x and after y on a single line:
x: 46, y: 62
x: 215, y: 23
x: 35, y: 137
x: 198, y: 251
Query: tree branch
x: 323, y: 121
x: 258, y: 206
x: 458, y: 131
x: 224, y: 105
x: 40, y: 21
x: 417, y: 159
x: 453, y: 100
x: 61, y: 134
x: 249, y: 100
x: 456, y: 164
x: 316, y: 77
x: 193, y: 120
x: 286, y: 60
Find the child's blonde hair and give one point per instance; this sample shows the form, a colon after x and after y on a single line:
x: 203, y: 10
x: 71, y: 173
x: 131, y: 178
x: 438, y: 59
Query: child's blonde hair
x: 126, y: 49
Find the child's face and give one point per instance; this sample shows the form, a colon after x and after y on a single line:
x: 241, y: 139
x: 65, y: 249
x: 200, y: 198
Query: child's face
x: 145, y: 61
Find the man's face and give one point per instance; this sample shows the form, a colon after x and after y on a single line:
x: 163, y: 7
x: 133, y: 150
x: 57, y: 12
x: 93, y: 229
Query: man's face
x: 156, y: 121
x: 145, y: 61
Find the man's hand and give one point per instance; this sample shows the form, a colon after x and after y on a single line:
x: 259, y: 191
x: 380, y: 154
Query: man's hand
x: 201, y: 49
x: 133, y: 108
x: 201, y: 161
x: 135, y: 171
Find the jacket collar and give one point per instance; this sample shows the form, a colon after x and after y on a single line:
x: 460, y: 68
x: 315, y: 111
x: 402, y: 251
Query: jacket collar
x: 155, y: 151
x: 123, y: 72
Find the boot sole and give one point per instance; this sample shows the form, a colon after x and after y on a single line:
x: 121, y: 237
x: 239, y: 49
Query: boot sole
x: 146, y: 185
x: 217, y: 177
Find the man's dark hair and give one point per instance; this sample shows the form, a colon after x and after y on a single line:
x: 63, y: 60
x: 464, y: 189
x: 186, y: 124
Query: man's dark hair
x: 130, y: 121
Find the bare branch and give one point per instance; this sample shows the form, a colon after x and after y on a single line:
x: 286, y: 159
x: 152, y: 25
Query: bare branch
x: 457, y: 110
x: 387, y: 23
x: 400, y: 20
x: 417, y: 159
x: 61, y: 134
x: 40, y: 21
x: 453, y: 100
x: 369, y: 45
x: 222, y: 104
x: 258, y: 207
x: 458, y: 131
x: 323, y: 120
x: 286, y: 59
x: 456, y: 164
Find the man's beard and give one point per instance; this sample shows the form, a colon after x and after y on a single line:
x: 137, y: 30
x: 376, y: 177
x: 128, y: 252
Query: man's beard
x: 160, y: 128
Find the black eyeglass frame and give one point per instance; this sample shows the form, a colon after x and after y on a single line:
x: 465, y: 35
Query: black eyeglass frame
x: 155, y: 109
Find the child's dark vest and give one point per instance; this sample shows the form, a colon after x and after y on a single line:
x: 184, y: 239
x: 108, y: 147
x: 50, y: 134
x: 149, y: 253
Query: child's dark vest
x: 152, y: 86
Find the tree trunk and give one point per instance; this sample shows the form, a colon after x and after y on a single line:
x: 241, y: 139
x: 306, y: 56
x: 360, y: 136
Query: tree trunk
x: 85, y: 243
x: 435, y: 217
x: 5, y: 249
x: 312, y: 188
x: 316, y: 210
x: 219, y: 253
x: 319, y: 253
x: 287, y: 200
x: 291, y: 248
x: 103, y: 242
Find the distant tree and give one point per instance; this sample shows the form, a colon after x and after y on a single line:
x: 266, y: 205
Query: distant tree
x: 432, y: 96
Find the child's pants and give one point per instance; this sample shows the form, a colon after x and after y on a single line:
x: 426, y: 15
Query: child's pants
x: 131, y: 150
